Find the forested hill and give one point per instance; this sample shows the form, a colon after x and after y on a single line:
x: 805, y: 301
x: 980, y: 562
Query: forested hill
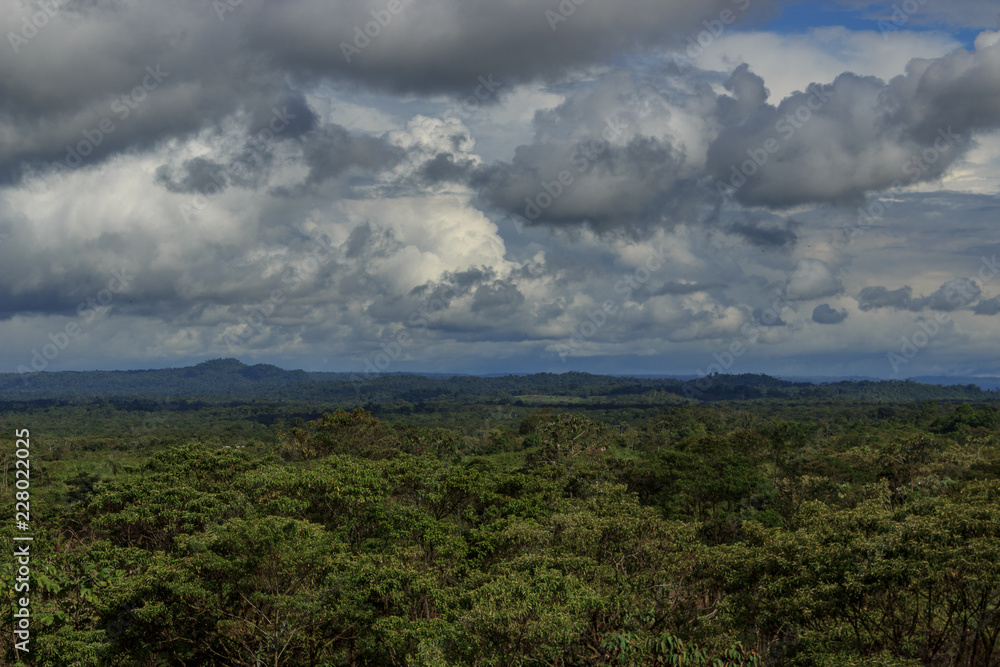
x: 230, y: 379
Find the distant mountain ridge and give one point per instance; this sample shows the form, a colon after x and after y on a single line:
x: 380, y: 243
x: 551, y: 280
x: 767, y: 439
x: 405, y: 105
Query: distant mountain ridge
x: 231, y: 379
x: 215, y: 377
x: 984, y: 382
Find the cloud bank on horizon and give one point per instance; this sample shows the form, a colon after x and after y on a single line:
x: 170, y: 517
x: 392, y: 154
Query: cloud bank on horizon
x: 481, y: 186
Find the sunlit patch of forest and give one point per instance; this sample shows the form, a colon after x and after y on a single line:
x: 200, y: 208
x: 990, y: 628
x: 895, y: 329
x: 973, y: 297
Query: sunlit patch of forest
x: 514, y: 527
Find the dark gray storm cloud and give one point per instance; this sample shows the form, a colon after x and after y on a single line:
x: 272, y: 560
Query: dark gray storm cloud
x: 144, y: 73
x: 427, y: 304
x: 446, y: 45
x: 327, y: 152
x: 872, y: 298
x: 764, y: 236
x: 210, y: 146
x: 102, y: 78
x: 838, y: 142
x: 767, y: 314
x: 589, y: 181
x: 445, y: 168
x: 953, y: 295
x: 824, y: 314
x: 196, y: 175
x: 593, y: 161
x: 366, y: 241
x: 455, y: 283
x: 500, y: 298
x: 678, y: 288
x: 330, y: 151
x: 589, y: 163
x: 988, y: 307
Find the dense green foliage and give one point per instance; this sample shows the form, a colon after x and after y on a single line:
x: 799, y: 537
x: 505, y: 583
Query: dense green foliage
x: 768, y: 532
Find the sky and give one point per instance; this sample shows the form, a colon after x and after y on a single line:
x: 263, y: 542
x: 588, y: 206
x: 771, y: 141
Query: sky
x: 483, y: 186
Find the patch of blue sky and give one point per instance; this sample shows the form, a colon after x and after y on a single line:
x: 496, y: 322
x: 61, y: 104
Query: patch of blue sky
x: 884, y: 18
